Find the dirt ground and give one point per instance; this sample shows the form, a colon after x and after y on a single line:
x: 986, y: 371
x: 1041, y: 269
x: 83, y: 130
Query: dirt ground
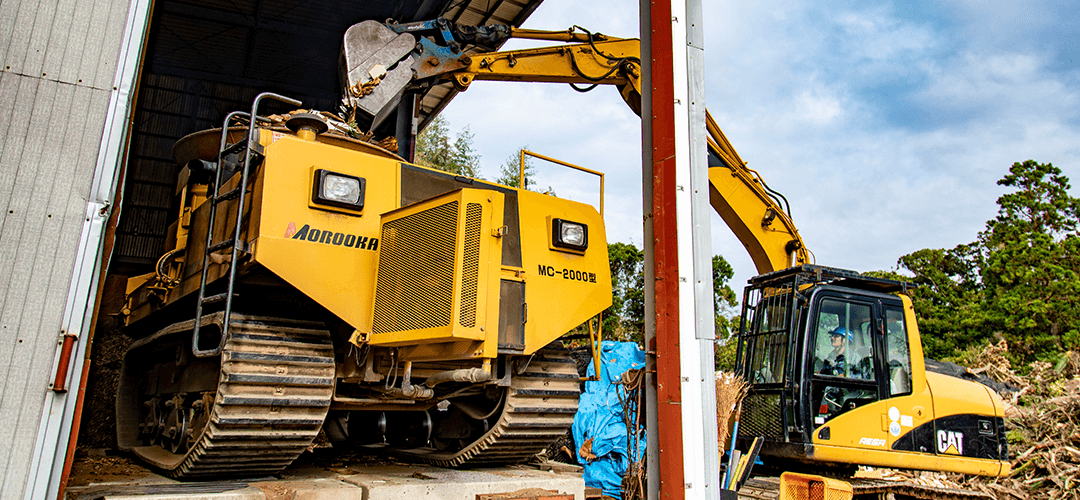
x: 98, y: 427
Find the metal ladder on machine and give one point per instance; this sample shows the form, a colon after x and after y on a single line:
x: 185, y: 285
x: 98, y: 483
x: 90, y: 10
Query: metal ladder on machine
x: 247, y: 144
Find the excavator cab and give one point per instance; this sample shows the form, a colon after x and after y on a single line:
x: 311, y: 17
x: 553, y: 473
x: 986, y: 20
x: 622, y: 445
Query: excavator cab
x: 837, y: 378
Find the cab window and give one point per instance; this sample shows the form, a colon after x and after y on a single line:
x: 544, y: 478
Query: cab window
x: 844, y: 340
x: 767, y: 344
x: 898, y: 352
x: 844, y: 377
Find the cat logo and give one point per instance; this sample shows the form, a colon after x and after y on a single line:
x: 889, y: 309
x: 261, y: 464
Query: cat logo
x: 950, y: 440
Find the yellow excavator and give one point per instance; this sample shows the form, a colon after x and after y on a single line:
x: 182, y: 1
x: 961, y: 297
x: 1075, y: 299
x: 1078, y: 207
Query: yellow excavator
x: 317, y: 284
x: 834, y: 358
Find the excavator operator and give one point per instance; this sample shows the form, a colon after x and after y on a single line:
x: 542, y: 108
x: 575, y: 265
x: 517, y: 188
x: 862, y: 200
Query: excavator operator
x: 853, y: 363
x: 835, y: 363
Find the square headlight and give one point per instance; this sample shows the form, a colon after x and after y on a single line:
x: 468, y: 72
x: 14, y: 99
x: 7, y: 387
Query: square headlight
x: 339, y: 190
x: 568, y: 234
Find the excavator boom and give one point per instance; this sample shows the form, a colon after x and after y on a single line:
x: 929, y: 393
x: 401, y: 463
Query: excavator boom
x: 737, y: 193
x: 881, y: 409
x: 750, y: 208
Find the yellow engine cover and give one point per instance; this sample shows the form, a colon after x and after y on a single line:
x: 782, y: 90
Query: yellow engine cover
x: 438, y: 269
x: 465, y: 269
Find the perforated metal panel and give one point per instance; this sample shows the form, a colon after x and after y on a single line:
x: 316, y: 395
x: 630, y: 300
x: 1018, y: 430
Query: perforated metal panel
x: 471, y: 264
x: 762, y: 415
x: 415, y: 287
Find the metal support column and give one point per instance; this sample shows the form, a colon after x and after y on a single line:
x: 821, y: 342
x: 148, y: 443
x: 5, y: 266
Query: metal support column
x: 405, y: 130
x: 683, y: 456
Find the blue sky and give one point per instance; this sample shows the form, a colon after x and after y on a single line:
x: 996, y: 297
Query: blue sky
x: 886, y: 125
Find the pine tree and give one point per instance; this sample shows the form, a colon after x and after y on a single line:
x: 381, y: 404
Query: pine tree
x: 434, y: 149
x: 509, y: 172
x: 1019, y: 281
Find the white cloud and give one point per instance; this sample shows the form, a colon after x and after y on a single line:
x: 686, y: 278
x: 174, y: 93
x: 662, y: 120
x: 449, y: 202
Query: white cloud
x: 886, y: 127
x: 1016, y: 86
x: 817, y: 108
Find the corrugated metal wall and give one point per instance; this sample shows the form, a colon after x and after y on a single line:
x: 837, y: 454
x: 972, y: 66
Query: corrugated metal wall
x: 57, y: 65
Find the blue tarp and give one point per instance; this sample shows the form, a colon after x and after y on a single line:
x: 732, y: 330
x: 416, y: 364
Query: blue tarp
x: 600, y: 417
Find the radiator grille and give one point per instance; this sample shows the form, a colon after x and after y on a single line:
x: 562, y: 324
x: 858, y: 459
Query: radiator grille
x: 471, y: 264
x: 415, y: 287
x: 762, y: 416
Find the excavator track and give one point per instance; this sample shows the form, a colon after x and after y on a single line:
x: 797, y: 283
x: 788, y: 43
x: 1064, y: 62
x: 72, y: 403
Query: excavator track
x: 768, y: 488
x: 538, y: 409
x: 274, y: 388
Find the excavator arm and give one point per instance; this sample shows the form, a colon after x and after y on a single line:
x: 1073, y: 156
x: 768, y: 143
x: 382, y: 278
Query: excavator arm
x: 379, y: 62
x: 750, y: 208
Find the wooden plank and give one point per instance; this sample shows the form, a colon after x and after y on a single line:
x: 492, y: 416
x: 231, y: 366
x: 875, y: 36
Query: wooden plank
x: 527, y: 494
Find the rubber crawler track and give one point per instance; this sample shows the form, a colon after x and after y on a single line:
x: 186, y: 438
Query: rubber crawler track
x: 768, y: 488
x: 539, y: 408
x: 274, y: 390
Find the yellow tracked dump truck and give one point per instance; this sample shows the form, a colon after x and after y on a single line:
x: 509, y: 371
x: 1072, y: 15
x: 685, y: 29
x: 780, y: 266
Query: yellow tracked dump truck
x: 321, y: 284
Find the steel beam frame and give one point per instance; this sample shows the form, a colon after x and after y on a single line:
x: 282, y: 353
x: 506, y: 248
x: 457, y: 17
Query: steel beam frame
x: 683, y: 457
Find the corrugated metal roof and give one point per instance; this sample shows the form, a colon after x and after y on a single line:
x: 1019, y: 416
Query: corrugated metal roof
x: 205, y: 58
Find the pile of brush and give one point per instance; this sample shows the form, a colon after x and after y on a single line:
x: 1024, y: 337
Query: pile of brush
x: 730, y: 390
x: 1042, y: 420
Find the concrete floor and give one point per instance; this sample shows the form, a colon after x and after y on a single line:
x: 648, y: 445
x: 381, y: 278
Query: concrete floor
x: 115, y: 478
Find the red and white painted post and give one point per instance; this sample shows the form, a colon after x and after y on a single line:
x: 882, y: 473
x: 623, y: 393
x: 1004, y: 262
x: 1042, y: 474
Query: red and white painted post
x: 683, y: 457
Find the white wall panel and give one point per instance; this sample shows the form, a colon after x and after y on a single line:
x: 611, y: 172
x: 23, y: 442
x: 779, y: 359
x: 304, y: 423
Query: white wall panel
x: 71, y: 41
x: 58, y: 61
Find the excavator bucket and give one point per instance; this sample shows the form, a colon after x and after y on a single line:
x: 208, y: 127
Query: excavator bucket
x: 375, y: 67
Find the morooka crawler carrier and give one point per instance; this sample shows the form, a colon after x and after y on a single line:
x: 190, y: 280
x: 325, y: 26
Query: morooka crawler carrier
x: 316, y: 284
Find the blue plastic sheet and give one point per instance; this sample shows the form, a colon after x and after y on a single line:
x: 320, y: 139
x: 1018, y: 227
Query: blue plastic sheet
x: 600, y: 418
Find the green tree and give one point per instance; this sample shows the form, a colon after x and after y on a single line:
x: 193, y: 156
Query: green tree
x: 510, y: 172
x: 725, y: 313
x: 1031, y: 263
x: 949, y: 297
x: 625, y: 319
x: 434, y: 149
x: 1019, y: 281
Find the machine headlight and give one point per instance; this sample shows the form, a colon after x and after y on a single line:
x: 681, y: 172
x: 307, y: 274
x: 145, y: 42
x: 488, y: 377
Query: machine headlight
x: 568, y: 234
x: 339, y: 190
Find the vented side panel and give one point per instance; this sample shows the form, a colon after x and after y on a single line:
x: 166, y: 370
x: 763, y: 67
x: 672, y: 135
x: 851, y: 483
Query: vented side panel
x: 471, y: 265
x: 415, y: 288
x: 511, y: 314
x: 761, y: 416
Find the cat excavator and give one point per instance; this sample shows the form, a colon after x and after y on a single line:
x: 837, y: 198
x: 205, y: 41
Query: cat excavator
x: 870, y: 401
x: 414, y: 330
